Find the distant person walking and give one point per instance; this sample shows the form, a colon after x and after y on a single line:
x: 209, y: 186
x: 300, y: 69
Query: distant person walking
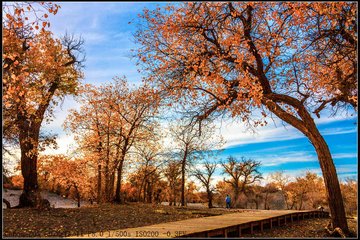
x: 228, y: 201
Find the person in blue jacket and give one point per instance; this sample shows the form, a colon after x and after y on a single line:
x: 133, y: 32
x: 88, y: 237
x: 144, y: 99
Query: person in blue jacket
x: 228, y: 201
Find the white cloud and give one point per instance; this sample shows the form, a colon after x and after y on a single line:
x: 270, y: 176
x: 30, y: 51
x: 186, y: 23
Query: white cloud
x: 66, y: 144
x: 236, y: 133
x: 94, y: 38
x: 285, y: 157
x: 339, y: 130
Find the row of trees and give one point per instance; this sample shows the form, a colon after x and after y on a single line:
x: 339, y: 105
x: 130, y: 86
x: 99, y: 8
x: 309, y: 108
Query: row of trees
x: 76, y: 178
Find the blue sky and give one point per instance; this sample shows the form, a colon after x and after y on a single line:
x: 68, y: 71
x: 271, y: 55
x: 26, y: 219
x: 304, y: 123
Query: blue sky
x: 108, y: 40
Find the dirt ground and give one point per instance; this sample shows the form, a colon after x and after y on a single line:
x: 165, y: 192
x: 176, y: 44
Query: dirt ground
x: 62, y: 222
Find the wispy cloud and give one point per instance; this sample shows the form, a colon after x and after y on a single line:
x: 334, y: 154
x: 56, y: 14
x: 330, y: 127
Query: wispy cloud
x: 237, y: 133
x: 344, y: 155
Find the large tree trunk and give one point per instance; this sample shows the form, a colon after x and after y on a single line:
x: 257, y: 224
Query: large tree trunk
x: 28, y: 138
x: 236, y: 197
x: 308, y: 127
x: 334, y: 196
x: 118, y: 197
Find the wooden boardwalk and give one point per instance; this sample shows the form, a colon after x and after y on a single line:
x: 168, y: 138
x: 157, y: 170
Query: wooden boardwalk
x: 227, y: 225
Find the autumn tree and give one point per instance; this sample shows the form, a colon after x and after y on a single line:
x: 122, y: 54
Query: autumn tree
x: 268, y: 190
x: 69, y: 174
x: 281, y: 180
x: 255, y: 195
x: 150, y: 157
x: 93, y: 128
x: 243, y: 173
x: 222, y: 189
x: 192, y: 145
x: 292, y: 60
x: 172, y: 173
x: 137, y: 112
x: 112, y: 119
x: 38, y: 71
x: 191, y: 192
x: 349, y: 188
x: 309, y: 188
x: 204, y: 176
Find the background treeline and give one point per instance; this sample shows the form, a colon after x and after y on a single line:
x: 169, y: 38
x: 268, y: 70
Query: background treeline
x: 149, y: 183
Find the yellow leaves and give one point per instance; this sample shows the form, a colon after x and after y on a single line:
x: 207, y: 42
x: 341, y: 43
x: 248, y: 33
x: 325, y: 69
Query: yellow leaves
x: 44, y: 24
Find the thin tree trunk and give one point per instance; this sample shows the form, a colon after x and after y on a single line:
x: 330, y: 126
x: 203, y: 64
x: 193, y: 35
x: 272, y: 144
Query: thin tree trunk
x: 149, y: 192
x: 301, y: 201
x: 118, y: 197
x: 183, y: 165
x: 111, y: 184
x: 265, y: 201
x: 106, y: 167
x: 183, y: 185
x: 99, y: 184
x: 77, y: 193
x: 209, y: 194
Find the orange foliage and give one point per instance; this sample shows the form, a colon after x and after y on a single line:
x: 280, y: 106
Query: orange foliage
x: 238, y: 56
x: 69, y: 174
x: 17, y: 182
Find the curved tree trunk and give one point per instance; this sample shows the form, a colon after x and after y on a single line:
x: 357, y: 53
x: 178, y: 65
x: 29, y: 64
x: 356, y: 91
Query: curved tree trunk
x: 308, y: 127
x: 334, y: 196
